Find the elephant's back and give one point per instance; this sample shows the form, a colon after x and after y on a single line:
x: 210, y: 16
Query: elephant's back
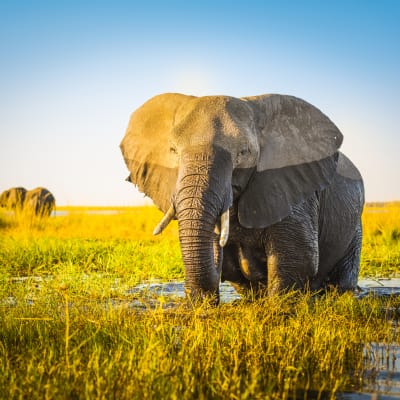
x: 40, y: 200
x: 340, y: 209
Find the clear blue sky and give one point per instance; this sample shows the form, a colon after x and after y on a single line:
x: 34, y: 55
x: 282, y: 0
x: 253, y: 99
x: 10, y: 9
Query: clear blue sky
x: 71, y: 72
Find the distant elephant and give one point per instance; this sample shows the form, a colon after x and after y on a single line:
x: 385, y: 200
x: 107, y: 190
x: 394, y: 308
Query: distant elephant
x: 39, y: 201
x: 13, y: 199
x: 262, y: 196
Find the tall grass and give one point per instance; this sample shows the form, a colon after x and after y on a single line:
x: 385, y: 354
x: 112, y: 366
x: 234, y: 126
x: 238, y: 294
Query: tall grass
x: 68, y: 329
x: 67, y: 347
x: 91, y: 248
x: 381, y: 241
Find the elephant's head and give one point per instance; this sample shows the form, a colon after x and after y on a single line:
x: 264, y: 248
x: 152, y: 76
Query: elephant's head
x: 195, y: 156
x: 13, y: 198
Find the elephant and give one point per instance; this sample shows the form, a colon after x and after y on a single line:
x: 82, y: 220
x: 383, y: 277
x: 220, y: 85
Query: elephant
x: 263, y: 197
x: 13, y: 199
x: 39, y: 201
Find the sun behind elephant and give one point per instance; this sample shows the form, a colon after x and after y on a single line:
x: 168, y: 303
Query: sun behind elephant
x: 39, y: 202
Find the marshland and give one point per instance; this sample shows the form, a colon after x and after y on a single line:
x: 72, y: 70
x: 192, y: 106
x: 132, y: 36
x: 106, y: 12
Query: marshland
x: 79, y: 318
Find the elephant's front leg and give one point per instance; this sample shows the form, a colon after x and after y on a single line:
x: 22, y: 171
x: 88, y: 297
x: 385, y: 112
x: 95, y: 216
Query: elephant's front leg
x: 253, y: 265
x: 292, y: 252
x: 245, y: 268
x: 231, y: 269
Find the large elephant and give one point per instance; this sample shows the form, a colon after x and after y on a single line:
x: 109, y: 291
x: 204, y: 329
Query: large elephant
x: 262, y: 195
x: 13, y: 199
x: 39, y: 202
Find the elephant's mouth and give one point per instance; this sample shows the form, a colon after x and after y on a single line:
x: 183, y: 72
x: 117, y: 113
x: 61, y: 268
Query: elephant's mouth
x: 222, y: 229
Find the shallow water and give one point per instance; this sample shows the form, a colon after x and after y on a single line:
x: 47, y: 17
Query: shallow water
x: 59, y: 213
x: 177, y: 289
x: 379, y: 287
x: 64, y: 213
x: 385, y: 379
x: 368, y: 287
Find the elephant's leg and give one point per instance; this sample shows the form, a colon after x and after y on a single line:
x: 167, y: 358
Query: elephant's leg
x: 231, y: 269
x: 292, y: 250
x: 253, y: 264
x: 245, y: 268
x: 344, y: 275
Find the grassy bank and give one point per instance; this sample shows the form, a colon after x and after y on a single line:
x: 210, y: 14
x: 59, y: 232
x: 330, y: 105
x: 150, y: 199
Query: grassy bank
x: 381, y: 241
x: 68, y: 331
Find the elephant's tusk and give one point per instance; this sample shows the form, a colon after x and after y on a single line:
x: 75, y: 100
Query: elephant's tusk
x: 224, y: 228
x: 168, y: 217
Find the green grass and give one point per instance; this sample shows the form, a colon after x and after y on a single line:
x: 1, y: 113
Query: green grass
x: 67, y: 331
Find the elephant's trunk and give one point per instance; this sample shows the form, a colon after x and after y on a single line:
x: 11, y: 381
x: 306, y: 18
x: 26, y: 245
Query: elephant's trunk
x: 202, y: 275
x: 203, y: 194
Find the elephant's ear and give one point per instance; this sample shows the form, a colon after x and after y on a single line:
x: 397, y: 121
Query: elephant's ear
x: 147, y: 151
x: 298, y: 156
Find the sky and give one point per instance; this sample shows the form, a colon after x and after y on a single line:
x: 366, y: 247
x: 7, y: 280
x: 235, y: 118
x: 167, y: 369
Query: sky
x: 72, y: 72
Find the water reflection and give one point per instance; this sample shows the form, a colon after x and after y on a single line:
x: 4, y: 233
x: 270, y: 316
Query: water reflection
x: 379, y: 287
x: 383, y: 371
x: 166, y: 294
x: 368, y: 287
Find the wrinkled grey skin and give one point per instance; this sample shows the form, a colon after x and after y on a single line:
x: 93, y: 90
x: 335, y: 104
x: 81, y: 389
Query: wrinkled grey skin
x: 294, y: 201
x: 39, y: 201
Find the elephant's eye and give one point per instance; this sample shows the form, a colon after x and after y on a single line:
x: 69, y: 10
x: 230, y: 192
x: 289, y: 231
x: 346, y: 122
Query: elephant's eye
x: 241, y: 156
x: 173, y: 150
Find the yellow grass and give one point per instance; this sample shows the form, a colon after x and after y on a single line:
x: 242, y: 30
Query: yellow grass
x: 69, y: 330
x: 381, y: 240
